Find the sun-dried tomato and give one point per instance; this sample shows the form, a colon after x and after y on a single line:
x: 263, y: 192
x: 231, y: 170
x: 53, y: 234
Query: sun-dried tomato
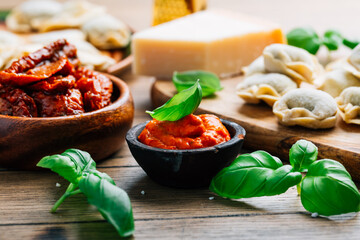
x: 60, y: 56
x: 50, y: 83
x: 61, y: 104
x: 15, y: 102
x: 54, y: 84
x: 96, y: 88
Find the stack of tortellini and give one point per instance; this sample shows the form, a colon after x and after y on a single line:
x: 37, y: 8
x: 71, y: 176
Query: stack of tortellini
x: 101, y: 29
x: 342, y: 81
x: 276, y: 78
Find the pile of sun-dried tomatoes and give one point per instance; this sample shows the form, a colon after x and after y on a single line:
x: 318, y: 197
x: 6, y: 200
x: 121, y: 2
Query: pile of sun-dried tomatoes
x: 50, y: 83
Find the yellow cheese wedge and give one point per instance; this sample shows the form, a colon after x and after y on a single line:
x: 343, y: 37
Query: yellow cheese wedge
x: 216, y: 41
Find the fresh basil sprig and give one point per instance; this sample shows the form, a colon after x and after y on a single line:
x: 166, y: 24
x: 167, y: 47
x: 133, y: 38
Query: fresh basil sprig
x: 179, y: 106
x: 79, y: 169
x: 308, y: 39
x: 327, y: 188
x: 209, y: 82
x: 302, y: 154
x: 332, y: 39
x: 70, y: 164
x: 112, y: 202
x: 254, y: 175
x: 305, y: 38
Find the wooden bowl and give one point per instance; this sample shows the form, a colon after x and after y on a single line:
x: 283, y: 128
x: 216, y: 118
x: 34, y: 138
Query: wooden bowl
x: 24, y: 141
x: 185, y: 168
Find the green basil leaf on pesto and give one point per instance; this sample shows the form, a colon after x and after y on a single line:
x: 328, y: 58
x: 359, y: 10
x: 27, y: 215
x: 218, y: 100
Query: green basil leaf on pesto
x: 304, y: 37
x: 302, y: 154
x: 70, y: 164
x: 179, y: 106
x: 328, y: 189
x: 254, y: 175
x: 209, y: 82
x: 111, y: 201
x: 332, y: 39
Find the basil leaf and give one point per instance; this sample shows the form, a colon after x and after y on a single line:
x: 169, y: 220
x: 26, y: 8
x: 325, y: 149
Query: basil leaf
x: 305, y: 38
x: 332, y: 39
x: 100, y: 175
x: 254, y: 175
x: 70, y: 164
x: 209, y: 82
x: 350, y: 43
x: 179, y: 106
x: 328, y: 189
x: 302, y: 154
x: 112, y: 202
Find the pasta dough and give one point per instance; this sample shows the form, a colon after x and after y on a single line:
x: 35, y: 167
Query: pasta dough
x: 294, y: 62
x: 26, y: 16
x: 257, y: 66
x: 349, y: 105
x: 107, y: 32
x: 267, y: 87
x: 306, y: 107
x: 73, y: 15
x: 335, y: 81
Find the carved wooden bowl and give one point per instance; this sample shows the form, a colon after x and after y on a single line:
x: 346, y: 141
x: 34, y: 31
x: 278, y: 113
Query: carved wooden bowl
x: 24, y: 141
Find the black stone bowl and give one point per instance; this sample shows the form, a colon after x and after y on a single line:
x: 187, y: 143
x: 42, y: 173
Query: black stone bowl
x: 185, y: 168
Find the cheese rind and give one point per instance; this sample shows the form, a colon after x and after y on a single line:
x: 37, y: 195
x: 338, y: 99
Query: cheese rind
x: 209, y: 40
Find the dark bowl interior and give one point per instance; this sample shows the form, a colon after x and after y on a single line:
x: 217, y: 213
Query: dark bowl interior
x: 185, y: 168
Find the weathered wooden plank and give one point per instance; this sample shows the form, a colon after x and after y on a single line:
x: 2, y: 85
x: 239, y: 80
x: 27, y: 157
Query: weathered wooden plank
x: 30, y: 196
x: 270, y: 226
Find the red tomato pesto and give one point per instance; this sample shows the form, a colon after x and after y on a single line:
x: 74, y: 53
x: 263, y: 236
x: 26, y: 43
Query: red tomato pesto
x: 190, y: 132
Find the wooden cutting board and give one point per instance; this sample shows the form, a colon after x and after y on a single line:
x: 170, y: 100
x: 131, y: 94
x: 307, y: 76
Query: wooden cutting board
x: 263, y: 131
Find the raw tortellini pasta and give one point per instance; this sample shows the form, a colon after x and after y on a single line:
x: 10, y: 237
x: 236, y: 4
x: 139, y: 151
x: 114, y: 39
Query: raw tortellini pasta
x: 27, y: 16
x: 349, y: 105
x: 73, y: 15
x: 335, y: 81
x: 107, y: 32
x: 294, y: 62
x: 267, y: 87
x: 280, y: 68
x: 306, y: 107
x: 257, y: 66
x: 342, y: 74
x: 100, y: 28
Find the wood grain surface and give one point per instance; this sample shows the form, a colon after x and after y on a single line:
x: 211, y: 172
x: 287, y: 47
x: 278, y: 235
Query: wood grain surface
x: 263, y: 130
x: 161, y: 212
x: 167, y: 213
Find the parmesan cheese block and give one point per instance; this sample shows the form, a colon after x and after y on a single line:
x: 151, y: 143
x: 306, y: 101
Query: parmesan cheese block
x: 216, y: 41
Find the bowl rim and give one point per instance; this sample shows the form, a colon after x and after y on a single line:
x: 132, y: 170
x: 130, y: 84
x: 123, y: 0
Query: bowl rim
x: 124, y: 93
x: 239, y: 131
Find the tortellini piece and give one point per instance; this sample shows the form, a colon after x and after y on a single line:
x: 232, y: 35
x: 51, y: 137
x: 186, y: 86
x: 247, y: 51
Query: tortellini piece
x: 306, y: 107
x: 354, y: 58
x: 267, y: 87
x: 27, y: 16
x: 294, y: 62
x: 335, y: 81
x: 73, y: 15
x: 342, y: 73
x: 8, y: 38
x: 107, y: 32
x: 349, y: 105
x: 71, y: 35
x: 257, y: 66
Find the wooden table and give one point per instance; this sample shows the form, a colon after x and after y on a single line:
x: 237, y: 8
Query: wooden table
x: 167, y: 213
